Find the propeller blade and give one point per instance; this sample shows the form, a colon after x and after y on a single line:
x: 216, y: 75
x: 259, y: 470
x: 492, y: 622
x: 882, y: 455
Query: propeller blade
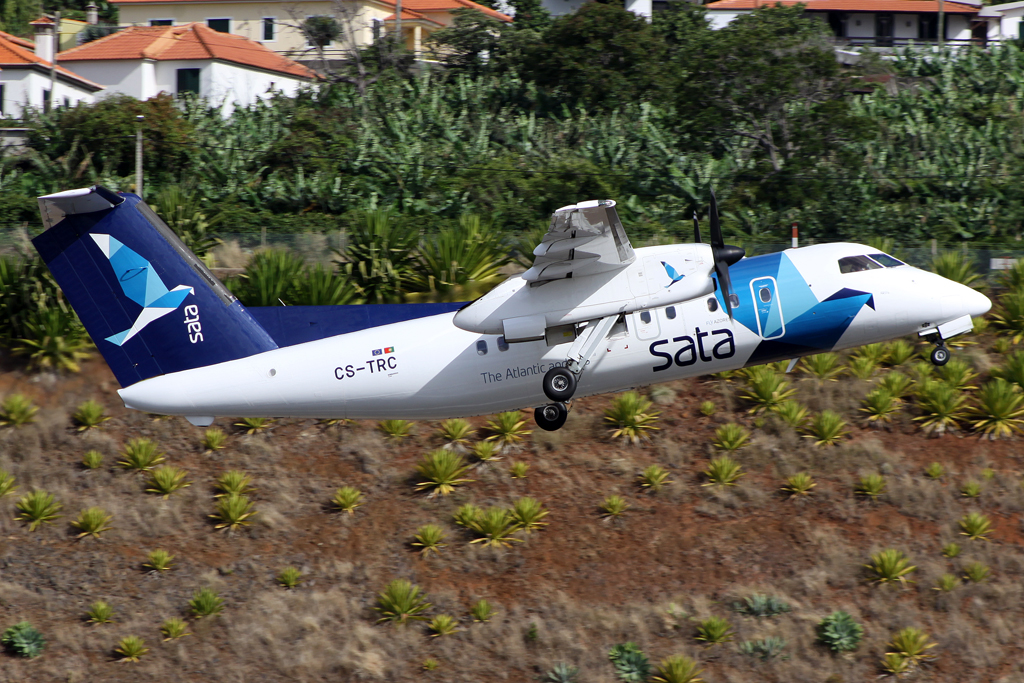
x: 696, y: 228
x: 722, y: 270
x: 724, y: 255
x: 716, y: 228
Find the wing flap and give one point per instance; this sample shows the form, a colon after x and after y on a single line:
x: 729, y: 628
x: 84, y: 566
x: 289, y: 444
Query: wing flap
x: 593, y: 224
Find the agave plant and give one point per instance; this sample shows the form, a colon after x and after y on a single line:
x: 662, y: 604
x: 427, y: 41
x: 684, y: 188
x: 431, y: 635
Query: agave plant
x: 255, y: 425
x: 766, y: 389
x: 899, y: 352
x: 827, y: 428
x: 527, y: 513
x: 870, y: 486
x: 630, y: 663
x: 1012, y: 370
x: 158, y: 560
x: 799, y: 484
x: 99, y: 612
x: 166, y: 480
x: 1008, y: 316
x: 205, y: 603
x: 839, y: 632
x: 1000, y: 410
x: 443, y: 625
x: 459, y: 263
x: 880, y: 406
x: 714, y: 630
x: 7, y: 485
x: 823, y: 366
x: 214, y: 439
x: 942, y: 407
x: 613, y: 506
x: 890, y: 566
x: 23, y: 640
x: 678, y: 669
x: 401, y: 602
x: 896, y: 383
x: 233, y: 483
x: 442, y: 472
x: 723, y: 471
x: 958, y: 374
x: 764, y: 648
x: 862, y: 367
x: 760, y: 605
x: 232, y: 512
x: 481, y: 611
x: 54, y: 340
x: 37, y: 508
x: 92, y: 522
x: 495, y: 527
x: 140, y: 455
x: 508, y: 430
x: 380, y: 256
x: 653, y: 478
x: 976, y: 572
x: 935, y: 471
x: 793, y: 413
x: 957, y: 266
x: 631, y: 417
x: 131, y: 649
x: 975, y: 525
x: 429, y: 538
x: 912, y: 644
x: 951, y: 550
x: 731, y: 437
x: 396, y: 430
x: 174, y: 628
x: 946, y: 583
x: 89, y: 415
x: 347, y: 499
x: 456, y: 433
x: 17, y: 410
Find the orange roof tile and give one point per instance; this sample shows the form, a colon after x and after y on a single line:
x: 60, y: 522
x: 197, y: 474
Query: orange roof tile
x: 409, y: 15
x: 849, y: 5
x: 448, y: 6
x: 27, y: 44
x: 41, y: 21
x: 14, y: 55
x: 184, y: 42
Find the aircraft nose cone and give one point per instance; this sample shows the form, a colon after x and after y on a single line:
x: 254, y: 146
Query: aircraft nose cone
x: 977, y: 303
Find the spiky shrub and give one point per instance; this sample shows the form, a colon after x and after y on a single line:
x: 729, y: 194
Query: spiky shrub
x: 678, y: 669
x: 799, y: 484
x: 131, y: 649
x: 957, y: 266
x: 443, y: 625
x: 441, y: 472
x: 1001, y: 346
x: 92, y: 460
x: 347, y: 499
x: 396, y: 430
x: 880, y: 406
x: 214, y: 439
x: 429, y: 538
x: 731, y: 437
x: 562, y: 673
x: 1008, y: 317
x: 912, y: 644
x: 862, y: 367
x: 1012, y: 370
x: 92, y: 522
x: 494, y: 528
x: 942, y: 407
x: 613, y: 506
x: 896, y: 383
x: 166, y: 480
x: 875, y: 352
x: 899, y: 352
x: 140, y: 455
x: 37, y: 508
x: 631, y: 417
x: 456, y: 433
x: 999, y: 412
x: 976, y: 572
x: 946, y: 583
x: 723, y: 471
x: 975, y: 525
x: 957, y: 374
x: 518, y: 470
x: 951, y: 550
x: 792, y: 413
x: 290, y: 577
x: 174, y: 628
x: 401, y: 602
x: 508, y: 430
x: 17, y: 410
x: 431, y: 664
x: 827, y: 428
x: 528, y: 512
x: 935, y: 471
x: 714, y: 630
x: 158, y: 560
x: 896, y: 664
x: 971, y: 489
x: 630, y: 663
x: 89, y: 416
x: 766, y: 389
x: 99, y: 612
x: 822, y: 366
x: 23, y: 640
x: 233, y: 512
x: 839, y: 632
x: 870, y: 486
x: 707, y: 408
x: 890, y: 566
x: 481, y: 611
x: 205, y: 603
x: 988, y: 474
x: 485, y: 451
x: 233, y: 483
x: 255, y: 425
x: 653, y: 478
x: 7, y: 485
x: 765, y: 648
x: 54, y: 340
x: 760, y: 605
x: 467, y: 515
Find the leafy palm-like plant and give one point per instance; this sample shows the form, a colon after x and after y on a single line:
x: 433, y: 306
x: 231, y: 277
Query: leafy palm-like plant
x: 912, y: 644
x: 174, y: 628
x: 870, y: 486
x: 761, y: 605
x: 442, y: 471
x: 942, y: 407
x: 653, y: 478
x: 1008, y: 316
x: 233, y: 512
x: 839, y: 632
x: 613, y: 506
x: 822, y: 366
x: 766, y: 389
x: 731, y: 437
x: 23, y: 640
x: 957, y: 266
x: 792, y: 413
x: 443, y: 625
x: 1012, y: 370
x: 460, y: 262
x: 630, y: 663
x: 481, y: 611
x: 429, y: 538
x: 946, y: 583
x: 17, y: 410
x: 7, y: 485
x: 896, y: 383
x: 89, y: 415
x: 975, y: 526
x: 799, y: 484
x: 214, y: 439
x: 876, y: 352
x: 678, y: 669
x: 890, y: 566
x: 971, y: 489
x: 1000, y: 410
x: 205, y: 603
x: 99, y: 612
x: 495, y: 527
x: 131, y: 649
x: 467, y: 515
x: 166, y: 480
x: 518, y: 470
x: 631, y: 417
x: 957, y: 374
x: 37, y: 508
x: 714, y: 630
x: 233, y: 483
x: 880, y: 406
x: 140, y: 455
x: 92, y: 460
x: 527, y: 513
x: 396, y: 430
x: 347, y: 499
x: 723, y: 471
x: 456, y: 433
x: 92, y: 522
x: 158, y: 560
x: 862, y: 367
x: 707, y: 408
x: 401, y: 602
x: 976, y: 572
x: 935, y: 471
x: 562, y: 673
x: 951, y: 550
x: 827, y: 428
x: 54, y: 340
x: 379, y: 259
x: 899, y: 352
x: 485, y: 451
x: 508, y: 430
x: 289, y: 578
x: 255, y: 425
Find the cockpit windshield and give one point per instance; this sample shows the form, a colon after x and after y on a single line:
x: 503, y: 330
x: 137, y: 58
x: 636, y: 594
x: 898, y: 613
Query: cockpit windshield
x: 856, y: 264
x: 886, y: 260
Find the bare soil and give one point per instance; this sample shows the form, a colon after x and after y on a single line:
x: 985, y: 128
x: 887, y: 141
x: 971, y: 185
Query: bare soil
x: 566, y: 594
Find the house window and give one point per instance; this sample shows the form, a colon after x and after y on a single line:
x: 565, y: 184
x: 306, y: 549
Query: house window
x: 188, y: 81
x: 927, y: 27
x: 161, y: 22
x: 219, y: 25
x: 1, y: 99
x: 883, y: 29
x: 46, y: 100
x: 838, y: 21
x: 268, y: 28
x: 67, y: 102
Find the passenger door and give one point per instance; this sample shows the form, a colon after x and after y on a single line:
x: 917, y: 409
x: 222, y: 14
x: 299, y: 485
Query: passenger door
x: 765, y: 293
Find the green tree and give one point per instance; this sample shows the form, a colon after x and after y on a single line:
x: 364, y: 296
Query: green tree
x: 15, y: 15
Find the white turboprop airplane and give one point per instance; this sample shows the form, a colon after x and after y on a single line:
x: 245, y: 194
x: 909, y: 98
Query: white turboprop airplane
x: 593, y: 315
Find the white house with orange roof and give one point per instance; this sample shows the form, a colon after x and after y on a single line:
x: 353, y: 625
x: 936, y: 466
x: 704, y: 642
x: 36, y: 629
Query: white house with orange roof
x: 228, y: 70
x: 278, y: 25
x: 28, y: 79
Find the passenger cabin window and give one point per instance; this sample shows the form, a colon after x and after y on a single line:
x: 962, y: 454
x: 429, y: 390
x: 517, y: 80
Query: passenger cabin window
x: 481, y: 347
x: 886, y: 260
x: 856, y: 264
x: 765, y: 294
x: 670, y: 312
x: 646, y: 317
x: 712, y: 304
x: 502, y: 344
x: 734, y: 301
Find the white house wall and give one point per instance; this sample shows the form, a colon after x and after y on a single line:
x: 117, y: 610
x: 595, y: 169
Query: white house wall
x: 957, y: 27
x: 24, y: 88
x: 904, y: 26
x: 118, y: 76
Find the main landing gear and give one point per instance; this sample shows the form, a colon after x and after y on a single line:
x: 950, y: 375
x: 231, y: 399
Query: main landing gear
x: 551, y: 417
x: 940, y: 354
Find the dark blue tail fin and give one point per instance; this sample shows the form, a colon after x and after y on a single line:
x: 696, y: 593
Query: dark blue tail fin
x: 149, y: 304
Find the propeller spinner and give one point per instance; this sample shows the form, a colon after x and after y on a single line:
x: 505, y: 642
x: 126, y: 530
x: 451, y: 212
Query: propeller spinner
x: 724, y: 254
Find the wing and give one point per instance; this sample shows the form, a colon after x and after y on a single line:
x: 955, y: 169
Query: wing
x: 584, y: 239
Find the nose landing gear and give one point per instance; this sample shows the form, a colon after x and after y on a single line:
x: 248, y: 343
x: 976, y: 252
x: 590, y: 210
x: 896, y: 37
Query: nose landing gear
x: 552, y: 416
x: 940, y: 354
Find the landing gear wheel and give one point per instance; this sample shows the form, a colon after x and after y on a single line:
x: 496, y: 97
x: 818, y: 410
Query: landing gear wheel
x: 940, y: 355
x: 551, y: 417
x: 559, y: 385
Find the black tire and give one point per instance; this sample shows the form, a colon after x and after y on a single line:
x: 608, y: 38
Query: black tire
x: 551, y: 417
x: 559, y: 385
x: 940, y: 355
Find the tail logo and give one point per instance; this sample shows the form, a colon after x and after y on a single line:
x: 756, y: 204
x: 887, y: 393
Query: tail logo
x: 141, y: 284
x: 676, y: 277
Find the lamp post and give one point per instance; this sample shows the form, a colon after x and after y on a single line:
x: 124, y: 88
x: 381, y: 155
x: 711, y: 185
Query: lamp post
x: 138, y: 154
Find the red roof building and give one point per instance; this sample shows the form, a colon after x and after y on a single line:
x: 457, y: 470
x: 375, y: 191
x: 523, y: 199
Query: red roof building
x: 27, y: 79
